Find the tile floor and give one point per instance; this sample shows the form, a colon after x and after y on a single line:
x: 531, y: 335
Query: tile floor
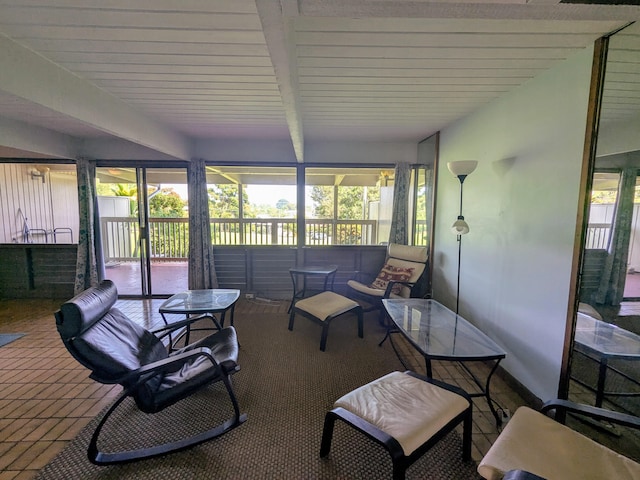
x: 46, y: 397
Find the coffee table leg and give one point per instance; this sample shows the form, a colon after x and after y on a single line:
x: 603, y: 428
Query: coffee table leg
x: 488, y: 395
x: 427, y: 361
x: 602, y: 376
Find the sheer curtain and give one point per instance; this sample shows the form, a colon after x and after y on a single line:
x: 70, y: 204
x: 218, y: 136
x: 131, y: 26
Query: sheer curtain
x: 202, y: 272
x: 611, y: 289
x: 400, y: 220
x: 87, y: 258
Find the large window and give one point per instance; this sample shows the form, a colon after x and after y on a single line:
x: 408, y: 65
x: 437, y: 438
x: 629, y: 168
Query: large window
x: 348, y: 206
x: 251, y: 205
x: 31, y: 199
x: 259, y: 205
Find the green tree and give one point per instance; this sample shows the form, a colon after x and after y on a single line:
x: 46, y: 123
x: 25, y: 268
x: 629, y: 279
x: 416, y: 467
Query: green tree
x: 223, y: 202
x: 352, y: 201
x: 167, y: 204
x: 284, y: 206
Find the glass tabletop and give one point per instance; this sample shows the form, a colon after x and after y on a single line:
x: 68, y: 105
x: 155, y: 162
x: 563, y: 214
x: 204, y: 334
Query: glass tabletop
x: 605, y: 338
x: 200, y: 301
x: 314, y: 269
x: 438, y: 332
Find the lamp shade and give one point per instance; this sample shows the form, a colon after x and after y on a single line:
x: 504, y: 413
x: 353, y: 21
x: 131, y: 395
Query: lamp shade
x: 460, y: 227
x: 462, y: 167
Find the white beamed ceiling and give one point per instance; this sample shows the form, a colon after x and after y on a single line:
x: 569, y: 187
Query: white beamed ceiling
x: 163, y: 74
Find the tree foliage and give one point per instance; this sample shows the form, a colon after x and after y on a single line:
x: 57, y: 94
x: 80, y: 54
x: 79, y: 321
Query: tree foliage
x: 223, y: 202
x: 167, y: 204
x: 352, y: 201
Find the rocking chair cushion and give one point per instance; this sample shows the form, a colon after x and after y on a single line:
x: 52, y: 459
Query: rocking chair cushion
x: 153, y: 396
x: 84, y: 310
x: 118, y: 346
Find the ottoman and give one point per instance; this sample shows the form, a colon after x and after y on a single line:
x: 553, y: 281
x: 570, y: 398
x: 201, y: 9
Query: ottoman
x: 405, y: 413
x: 323, y: 308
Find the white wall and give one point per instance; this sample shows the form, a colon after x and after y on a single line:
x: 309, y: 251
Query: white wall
x: 521, y: 205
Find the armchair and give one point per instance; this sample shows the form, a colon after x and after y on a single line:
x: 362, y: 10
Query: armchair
x: 119, y: 351
x: 404, y: 274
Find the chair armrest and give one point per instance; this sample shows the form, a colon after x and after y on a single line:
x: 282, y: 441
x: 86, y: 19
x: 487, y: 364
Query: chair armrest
x: 363, y: 277
x: 592, y: 412
x: 173, y: 326
x: 387, y: 292
x: 166, y: 365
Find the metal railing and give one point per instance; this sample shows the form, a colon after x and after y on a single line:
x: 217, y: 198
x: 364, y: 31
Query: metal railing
x: 169, y: 237
x: 598, y: 236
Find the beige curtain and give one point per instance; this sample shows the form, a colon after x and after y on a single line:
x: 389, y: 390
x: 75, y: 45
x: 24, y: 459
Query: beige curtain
x: 202, y: 272
x: 400, y: 220
x: 86, y: 263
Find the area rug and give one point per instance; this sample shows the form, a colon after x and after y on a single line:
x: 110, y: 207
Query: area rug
x: 285, y: 386
x: 6, y: 338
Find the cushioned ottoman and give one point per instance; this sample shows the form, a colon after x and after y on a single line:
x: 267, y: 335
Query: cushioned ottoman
x: 534, y: 442
x: 323, y: 308
x: 404, y: 412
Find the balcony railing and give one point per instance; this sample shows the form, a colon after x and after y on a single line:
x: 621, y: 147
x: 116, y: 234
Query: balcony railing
x: 169, y: 237
x: 598, y: 236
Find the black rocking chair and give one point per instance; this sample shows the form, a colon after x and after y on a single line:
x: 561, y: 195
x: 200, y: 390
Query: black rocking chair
x: 119, y: 351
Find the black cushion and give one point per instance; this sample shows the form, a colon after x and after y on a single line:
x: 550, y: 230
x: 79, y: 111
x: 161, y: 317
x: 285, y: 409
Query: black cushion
x: 111, y: 345
x: 83, y: 310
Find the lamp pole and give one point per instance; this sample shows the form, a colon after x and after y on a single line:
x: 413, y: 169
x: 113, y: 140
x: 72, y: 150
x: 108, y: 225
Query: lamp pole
x: 459, y: 237
x: 460, y: 227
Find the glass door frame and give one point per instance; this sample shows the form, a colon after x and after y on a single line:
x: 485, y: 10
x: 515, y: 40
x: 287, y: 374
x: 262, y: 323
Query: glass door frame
x: 146, y: 289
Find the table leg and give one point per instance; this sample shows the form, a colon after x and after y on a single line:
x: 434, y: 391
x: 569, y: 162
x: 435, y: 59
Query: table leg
x: 488, y: 395
x: 233, y: 309
x: 427, y: 361
x: 602, y: 375
x: 484, y: 391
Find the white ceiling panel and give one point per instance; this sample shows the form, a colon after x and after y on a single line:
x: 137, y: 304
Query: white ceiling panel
x: 161, y: 73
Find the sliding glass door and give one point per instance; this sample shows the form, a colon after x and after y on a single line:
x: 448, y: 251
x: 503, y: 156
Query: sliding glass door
x: 144, y: 229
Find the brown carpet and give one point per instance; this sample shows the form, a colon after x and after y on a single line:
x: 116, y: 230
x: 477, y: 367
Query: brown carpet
x: 286, y: 385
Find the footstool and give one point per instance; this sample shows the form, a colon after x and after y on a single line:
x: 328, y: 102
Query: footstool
x: 404, y: 412
x: 323, y: 308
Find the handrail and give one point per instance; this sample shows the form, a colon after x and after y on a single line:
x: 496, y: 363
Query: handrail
x: 169, y: 237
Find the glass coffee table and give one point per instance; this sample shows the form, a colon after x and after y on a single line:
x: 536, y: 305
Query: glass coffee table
x: 602, y: 341
x: 197, y: 304
x: 440, y: 334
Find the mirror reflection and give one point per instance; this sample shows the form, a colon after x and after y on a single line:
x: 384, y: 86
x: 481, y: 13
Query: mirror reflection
x: 605, y: 368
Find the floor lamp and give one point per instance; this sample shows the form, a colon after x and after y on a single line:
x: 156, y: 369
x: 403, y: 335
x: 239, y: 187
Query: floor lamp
x: 461, y: 170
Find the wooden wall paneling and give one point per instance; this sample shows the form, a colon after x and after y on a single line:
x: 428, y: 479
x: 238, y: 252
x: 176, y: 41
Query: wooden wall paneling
x: 269, y: 267
x: 349, y: 259
x: 14, y: 275
x: 54, y: 270
x: 230, y: 262
x: 37, y: 271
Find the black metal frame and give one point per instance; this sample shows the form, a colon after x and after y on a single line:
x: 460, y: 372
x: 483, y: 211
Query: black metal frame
x: 399, y: 460
x: 562, y: 407
x: 139, y: 377
x: 328, y: 272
